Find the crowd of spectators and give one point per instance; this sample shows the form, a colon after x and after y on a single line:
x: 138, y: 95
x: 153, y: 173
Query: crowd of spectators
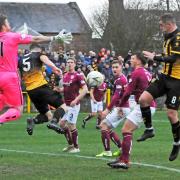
x: 86, y: 62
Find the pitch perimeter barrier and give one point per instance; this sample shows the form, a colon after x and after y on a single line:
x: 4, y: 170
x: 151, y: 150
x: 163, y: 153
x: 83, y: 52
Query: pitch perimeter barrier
x: 85, y: 102
x: 29, y: 107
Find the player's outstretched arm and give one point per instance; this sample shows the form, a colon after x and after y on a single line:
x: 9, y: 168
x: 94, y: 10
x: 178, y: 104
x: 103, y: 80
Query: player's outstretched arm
x: 63, y: 36
x: 168, y: 59
x: 40, y: 39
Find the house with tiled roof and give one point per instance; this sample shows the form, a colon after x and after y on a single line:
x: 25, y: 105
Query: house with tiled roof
x: 49, y: 19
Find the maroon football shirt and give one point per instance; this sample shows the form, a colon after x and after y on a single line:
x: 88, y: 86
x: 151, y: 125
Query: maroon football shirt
x: 138, y: 82
x: 120, y: 84
x: 72, y: 82
x: 99, y: 92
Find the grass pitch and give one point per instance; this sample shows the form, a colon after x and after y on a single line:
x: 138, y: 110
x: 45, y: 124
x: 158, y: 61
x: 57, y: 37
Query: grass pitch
x: 40, y: 156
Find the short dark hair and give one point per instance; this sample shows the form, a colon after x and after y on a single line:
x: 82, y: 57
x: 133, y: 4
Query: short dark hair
x: 2, y: 20
x: 141, y: 57
x: 71, y: 58
x: 168, y: 17
x: 116, y: 61
x: 34, y: 45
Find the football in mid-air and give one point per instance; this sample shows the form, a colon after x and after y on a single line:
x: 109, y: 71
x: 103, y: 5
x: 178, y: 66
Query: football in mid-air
x: 94, y: 79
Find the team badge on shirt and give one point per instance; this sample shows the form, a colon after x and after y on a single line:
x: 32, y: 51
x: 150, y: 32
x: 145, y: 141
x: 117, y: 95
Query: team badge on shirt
x: 23, y: 36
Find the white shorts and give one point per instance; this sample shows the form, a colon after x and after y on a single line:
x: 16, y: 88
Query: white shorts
x: 132, y: 102
x: 113, y: 119
x: 96, y: 107
x: 136, y: 117
x: 72, y: 114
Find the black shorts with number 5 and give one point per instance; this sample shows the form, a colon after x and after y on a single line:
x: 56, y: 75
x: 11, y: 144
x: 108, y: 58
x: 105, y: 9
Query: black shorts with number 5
x: 44, y: 96
x: 168, y: 86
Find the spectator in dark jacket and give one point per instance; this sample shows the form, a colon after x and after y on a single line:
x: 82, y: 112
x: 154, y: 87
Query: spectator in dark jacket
x: 107, y: 71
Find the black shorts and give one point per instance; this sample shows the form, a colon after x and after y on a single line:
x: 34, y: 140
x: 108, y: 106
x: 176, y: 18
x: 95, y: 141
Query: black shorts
x: 44, y: 96
x: 168, y: 86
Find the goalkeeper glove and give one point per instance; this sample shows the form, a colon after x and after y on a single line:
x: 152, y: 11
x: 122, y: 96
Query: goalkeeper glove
x: 63, y: 36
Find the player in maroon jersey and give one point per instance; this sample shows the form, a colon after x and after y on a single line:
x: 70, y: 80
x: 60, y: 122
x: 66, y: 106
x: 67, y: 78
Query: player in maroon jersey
x: 111, y: 116
x: 139, y: 81
x: 97, y: 95
x: 74, y: 89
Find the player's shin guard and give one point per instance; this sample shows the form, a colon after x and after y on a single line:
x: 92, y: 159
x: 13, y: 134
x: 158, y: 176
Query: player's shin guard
x: 59, y: 113
x: 105, y: 139
x: 149, y: 132
x: 176, y: 131
x: 126, y: 147
x: 146, y: 115
x: 74, y: 134
x: 115, y: 138
x: 67, y: 135
x: 10, y: 115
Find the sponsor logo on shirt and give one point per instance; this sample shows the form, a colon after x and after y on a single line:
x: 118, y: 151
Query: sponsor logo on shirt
x: 23, y: 36
x: 72, y: 77
x: 118, y: 86
x: 67, y: 83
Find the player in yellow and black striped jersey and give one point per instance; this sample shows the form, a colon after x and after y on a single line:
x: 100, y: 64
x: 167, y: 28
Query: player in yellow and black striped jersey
x: 168, y: 83
x: 171, y: 55
x: 40, y: 93
x: 32, y: 71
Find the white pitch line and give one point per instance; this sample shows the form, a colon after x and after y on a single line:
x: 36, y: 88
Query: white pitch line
x: 90, y: 157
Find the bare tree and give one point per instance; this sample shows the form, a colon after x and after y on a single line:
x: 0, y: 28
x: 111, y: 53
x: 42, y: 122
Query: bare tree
x: 176, y: 5
x: 114, y: 32
x: 169, y: 5
x: 132, y: 26
x: 99, y: 20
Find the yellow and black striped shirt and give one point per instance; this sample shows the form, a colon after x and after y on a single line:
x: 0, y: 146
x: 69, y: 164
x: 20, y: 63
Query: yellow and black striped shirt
x: 171, y: 47
x: 31, y: 69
